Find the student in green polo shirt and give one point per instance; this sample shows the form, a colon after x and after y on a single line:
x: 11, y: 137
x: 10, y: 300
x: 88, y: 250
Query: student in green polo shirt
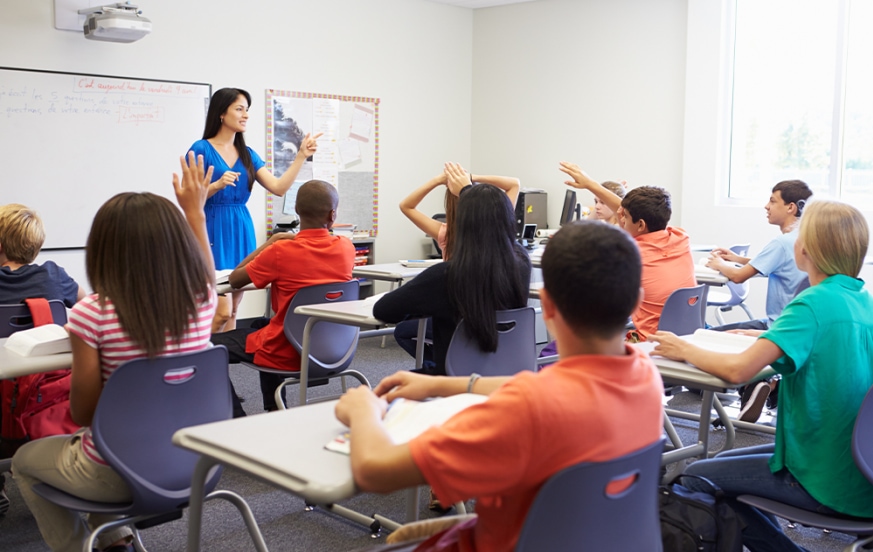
x: 822, y: 344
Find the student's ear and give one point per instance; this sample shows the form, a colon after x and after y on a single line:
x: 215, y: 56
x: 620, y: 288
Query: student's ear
x: 792, y: 209
x: 547, y: 305
x: 643, y: 227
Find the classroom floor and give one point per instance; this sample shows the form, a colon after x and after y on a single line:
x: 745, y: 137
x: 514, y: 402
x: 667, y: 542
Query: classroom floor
x: 284, y: 523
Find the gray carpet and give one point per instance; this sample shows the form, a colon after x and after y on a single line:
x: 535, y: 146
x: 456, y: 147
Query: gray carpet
x: 281, y: 516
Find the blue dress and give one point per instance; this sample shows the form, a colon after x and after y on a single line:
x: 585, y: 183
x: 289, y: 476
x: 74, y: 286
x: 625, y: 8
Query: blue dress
x: 228, y: 221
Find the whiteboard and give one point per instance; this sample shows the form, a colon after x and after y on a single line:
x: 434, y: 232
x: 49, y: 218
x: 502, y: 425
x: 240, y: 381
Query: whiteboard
x: 72, y: 141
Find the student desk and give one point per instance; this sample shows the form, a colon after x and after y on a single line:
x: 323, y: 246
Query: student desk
x: 284, y: 448
x: 681, y: 373
x: 13, y: 365
x: 709, y: 277
x: 387, y: 272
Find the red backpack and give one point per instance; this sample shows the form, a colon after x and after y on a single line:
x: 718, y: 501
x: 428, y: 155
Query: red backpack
x: 37, y: 405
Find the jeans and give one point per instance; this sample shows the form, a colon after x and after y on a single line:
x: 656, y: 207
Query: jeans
x: 406, y: 334
x: 746, y: 471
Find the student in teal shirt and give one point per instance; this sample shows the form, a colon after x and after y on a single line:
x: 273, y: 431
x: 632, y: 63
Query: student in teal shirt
x: 822, y: 344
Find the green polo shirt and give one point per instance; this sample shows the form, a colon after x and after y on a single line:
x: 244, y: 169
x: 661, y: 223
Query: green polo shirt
x: 826, y: 335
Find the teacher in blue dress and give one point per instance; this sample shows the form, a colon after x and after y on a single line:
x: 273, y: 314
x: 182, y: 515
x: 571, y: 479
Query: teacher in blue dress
x: 236, y: 168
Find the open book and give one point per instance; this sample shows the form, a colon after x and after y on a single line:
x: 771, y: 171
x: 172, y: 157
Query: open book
x: 720, y: 342
x: 407, y: 419
x: 41, y: 340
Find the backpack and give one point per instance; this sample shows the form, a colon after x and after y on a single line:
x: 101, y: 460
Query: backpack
x: 37, y: 405
x: 693, y: 521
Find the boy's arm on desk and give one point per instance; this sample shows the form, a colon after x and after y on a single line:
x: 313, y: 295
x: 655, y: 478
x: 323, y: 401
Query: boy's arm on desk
x: 732, y: 367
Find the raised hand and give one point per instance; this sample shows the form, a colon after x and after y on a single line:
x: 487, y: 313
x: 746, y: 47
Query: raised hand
x: 579, y: 178
x: 193, y: 188
x: 309, y: 145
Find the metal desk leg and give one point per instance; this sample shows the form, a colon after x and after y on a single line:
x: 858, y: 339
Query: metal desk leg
x: 419, y: 345
x: 705, y: 420
x: 304, y: 358
x: 195, y: 506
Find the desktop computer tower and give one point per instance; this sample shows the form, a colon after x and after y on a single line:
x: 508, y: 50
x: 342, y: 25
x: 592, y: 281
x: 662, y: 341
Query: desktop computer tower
x: 531, y: 208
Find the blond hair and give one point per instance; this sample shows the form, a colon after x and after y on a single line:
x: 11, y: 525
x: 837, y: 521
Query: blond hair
x: 21, y: 233
x: 835, y: 237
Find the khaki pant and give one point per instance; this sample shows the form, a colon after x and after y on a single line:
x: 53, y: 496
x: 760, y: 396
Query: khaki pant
x: 60, y: 462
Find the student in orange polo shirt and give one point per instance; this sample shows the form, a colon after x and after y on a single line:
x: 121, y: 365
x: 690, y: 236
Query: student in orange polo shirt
x: 666, y: 252
x: 602, y: 400
x: 288, y: 262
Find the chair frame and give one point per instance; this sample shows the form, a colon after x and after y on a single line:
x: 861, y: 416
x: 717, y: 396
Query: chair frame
x: 573, y: 507
x: 155, y: 501
x: 862, y: 453
x: 316, y: 370
x: 738, y: 292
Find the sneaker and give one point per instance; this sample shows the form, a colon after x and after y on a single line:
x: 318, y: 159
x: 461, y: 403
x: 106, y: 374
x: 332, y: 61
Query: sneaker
x: 754, y: 405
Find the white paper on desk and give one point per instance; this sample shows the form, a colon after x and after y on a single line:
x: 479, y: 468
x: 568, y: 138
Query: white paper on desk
x: 407, y: 419
x: 374, y: 298
x: 41, y: 340
x: 720, y: 342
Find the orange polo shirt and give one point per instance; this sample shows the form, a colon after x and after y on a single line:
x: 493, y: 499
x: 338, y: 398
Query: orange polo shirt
x: 312, y: 257
x: 583, y: 408
x: 667, y: 266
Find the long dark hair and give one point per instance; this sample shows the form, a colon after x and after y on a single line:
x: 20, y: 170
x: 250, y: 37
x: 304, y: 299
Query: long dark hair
x: 488, y: 267
x: 140, y: 241
x: 218, y: 105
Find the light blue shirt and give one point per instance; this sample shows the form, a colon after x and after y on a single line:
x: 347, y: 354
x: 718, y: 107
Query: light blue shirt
x: 776, y: 262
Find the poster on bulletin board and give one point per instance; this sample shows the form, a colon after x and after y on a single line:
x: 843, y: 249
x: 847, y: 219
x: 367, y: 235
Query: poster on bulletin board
x: 347, y: 156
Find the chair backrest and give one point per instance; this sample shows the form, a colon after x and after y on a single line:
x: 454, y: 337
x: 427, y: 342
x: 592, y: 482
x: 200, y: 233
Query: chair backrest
x: 862, y: 437
x: 331, y: 346
x: 14, y: 318
x: 576, y: 509
x: 143, y: 403
x: 516, y: 347
x: 685, y: 311
x: 738, y: 292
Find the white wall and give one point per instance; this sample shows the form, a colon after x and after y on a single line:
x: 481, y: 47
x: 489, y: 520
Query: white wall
x: 388, y: 49
x: 597, y: 82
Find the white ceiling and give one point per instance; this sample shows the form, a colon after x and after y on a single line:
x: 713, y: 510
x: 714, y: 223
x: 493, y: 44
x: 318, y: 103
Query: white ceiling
x: 473, y: 4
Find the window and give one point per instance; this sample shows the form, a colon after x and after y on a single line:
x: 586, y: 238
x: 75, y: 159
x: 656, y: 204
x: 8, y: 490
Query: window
x: 802, y: 92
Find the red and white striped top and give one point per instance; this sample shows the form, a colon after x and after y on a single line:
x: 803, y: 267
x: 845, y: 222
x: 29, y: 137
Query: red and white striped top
x: 99, y: 328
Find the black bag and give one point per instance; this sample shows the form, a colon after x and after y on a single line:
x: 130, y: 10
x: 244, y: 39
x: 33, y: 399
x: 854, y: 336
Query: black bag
x: 694, y: 521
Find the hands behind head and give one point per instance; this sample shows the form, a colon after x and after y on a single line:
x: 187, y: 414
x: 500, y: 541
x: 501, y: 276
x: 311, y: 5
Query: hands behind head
x: 668, y: 345
x: 193, y: 189
x: 309, y: 145
x: 580, y: 179
x: 456, y: 178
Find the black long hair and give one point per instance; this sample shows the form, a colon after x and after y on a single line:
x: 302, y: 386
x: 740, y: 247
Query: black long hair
x: 218, y: 105
x: 488, y: 271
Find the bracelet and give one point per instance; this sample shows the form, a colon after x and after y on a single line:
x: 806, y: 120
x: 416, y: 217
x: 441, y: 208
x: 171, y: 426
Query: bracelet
x: 473, y: 377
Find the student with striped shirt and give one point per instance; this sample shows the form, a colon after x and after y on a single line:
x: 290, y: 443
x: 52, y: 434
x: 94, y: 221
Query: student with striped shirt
x: 138, y: 241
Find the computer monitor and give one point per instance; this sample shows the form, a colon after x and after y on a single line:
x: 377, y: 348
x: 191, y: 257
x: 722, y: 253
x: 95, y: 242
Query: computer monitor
x: 570, y: 211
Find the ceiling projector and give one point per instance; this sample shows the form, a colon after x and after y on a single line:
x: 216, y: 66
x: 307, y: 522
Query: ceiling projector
x: 121, y: 22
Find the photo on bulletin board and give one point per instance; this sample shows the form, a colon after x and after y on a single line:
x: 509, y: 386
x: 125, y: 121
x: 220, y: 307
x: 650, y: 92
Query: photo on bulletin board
x: 347, y: 156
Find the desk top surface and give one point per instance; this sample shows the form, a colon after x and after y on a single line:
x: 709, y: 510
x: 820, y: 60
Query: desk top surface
x: 285, y: 448
x: 358, y: 312
x: 386, y: 271
x: 681, y: 373
x: 13, y: 365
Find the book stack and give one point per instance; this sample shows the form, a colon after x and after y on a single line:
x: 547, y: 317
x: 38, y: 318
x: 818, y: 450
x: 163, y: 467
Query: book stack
x: 362, y: 254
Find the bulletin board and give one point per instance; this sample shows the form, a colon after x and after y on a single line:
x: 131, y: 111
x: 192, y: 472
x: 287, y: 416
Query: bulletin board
x: 347, y: 156
x: 72, y: 141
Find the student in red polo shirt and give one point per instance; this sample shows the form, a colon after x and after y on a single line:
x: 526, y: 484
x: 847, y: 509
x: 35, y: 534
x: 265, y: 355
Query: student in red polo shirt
x: 288, y: 262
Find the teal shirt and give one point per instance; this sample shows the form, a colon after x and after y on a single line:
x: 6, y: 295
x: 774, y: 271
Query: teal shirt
x: 826, y: 335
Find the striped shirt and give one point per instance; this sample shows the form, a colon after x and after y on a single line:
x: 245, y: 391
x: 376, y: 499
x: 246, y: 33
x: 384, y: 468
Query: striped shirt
x: 100, y: 329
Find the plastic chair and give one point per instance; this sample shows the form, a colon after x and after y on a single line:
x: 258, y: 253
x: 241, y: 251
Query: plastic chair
x: 332, y: 346
x: 14, y: 318
x: 143, y: 403
x: 516, y: 347
x: 736, y: 294
x: 685, y: 311
x: 574, y: 510
x: 862, y: 452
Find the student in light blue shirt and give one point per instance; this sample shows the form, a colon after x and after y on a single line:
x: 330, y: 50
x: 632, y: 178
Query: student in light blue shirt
x: 776, y: 260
